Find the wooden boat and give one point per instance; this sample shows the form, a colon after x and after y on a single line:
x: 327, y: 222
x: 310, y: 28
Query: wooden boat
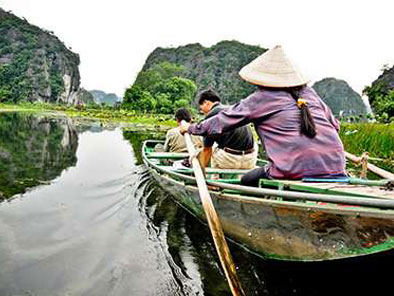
x: 287, y: 220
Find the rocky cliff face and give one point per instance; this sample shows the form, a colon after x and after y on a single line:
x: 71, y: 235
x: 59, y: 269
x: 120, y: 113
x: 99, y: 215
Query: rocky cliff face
x: 85, y: 96
x: 34, y: 64
x: 340, y: 97
x: 216, y: 67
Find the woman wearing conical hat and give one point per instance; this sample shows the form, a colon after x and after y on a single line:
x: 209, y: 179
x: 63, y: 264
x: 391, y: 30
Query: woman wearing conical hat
x: 297, y: 129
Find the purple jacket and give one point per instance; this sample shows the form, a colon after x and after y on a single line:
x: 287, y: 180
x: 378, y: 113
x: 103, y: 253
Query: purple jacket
x: 276, y: 118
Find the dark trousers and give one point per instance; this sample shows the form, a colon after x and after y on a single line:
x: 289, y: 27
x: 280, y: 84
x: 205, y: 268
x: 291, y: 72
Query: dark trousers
x: 252, y: 177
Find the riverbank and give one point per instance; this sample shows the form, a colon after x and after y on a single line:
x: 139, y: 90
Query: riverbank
x: 103, y: 114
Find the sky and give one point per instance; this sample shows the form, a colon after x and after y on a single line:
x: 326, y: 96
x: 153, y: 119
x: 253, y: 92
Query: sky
x: 345, y: 39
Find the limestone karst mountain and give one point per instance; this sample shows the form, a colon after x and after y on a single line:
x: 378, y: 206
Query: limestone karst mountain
x: 340, y: 97
x: 35, y: 65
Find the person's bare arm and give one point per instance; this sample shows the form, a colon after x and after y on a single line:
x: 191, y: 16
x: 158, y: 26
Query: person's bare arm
x: 204, y: 157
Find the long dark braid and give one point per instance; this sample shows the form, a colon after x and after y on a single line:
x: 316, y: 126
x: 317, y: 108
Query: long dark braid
x: 308, y: 127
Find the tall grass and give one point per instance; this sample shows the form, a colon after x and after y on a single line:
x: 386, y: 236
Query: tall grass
x: 375, y: 138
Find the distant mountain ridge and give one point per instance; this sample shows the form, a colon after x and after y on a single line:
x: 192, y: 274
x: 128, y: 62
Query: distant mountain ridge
x: 340, y: 97
x: 35, y: 65
x: 100, y: 97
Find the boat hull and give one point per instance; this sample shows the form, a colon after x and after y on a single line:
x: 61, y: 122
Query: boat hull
x: 290, y: 230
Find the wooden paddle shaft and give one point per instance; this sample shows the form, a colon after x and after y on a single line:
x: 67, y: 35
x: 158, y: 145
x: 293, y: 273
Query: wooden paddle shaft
x: 214, y: 223
x: 373, y: 168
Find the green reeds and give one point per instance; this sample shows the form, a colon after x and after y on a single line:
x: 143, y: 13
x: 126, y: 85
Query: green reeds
x: 375, y: 138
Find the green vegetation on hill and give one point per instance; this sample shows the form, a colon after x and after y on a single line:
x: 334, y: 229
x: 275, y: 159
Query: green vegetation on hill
x: 160, y: 89
x: 381, y: 95
x: 35, y: 64
x: 214, y: 67
x: 340, y: 97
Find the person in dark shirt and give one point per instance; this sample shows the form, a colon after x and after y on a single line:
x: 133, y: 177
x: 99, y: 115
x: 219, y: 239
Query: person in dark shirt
x: 235, y: 149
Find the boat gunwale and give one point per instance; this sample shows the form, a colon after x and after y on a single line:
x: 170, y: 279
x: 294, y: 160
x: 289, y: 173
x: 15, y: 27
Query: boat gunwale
x: 331, y: 207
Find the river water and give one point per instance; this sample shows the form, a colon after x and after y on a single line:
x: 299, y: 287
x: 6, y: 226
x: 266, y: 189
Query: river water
x: 81, y: 216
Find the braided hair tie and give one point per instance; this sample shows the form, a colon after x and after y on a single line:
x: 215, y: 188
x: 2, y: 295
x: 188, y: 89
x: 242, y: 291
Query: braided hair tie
x: 301, y: 102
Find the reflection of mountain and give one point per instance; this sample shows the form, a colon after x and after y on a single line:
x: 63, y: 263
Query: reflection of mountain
x: 33, y: 150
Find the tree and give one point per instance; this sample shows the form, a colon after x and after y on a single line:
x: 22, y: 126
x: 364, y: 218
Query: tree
x: 385, y: 104
x: 132, y: 96
x: 381, y: 99
x: 160, y: 90
x: 180, y: 89
x: 381, y: 94
x: 164, y: 104
x: 183, y: 103
x: 149, y: 80
x: 5, y: 94
x: 147, y: 102
x: 153, y: 78
x: 136, y: 98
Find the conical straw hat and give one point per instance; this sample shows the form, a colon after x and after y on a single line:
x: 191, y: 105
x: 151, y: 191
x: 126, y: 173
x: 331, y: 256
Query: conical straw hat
x: 273, y: 69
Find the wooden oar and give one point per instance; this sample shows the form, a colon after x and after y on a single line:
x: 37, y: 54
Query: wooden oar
x: 214, y: 223
x: 373, y: 168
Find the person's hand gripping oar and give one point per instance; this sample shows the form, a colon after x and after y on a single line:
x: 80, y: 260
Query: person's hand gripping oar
x: 213, y: 220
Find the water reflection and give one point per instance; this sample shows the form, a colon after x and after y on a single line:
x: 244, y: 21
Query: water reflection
x: 191, y: 253
x: 137, y: 138
x: 84, y: 234
x: 33, y: 150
